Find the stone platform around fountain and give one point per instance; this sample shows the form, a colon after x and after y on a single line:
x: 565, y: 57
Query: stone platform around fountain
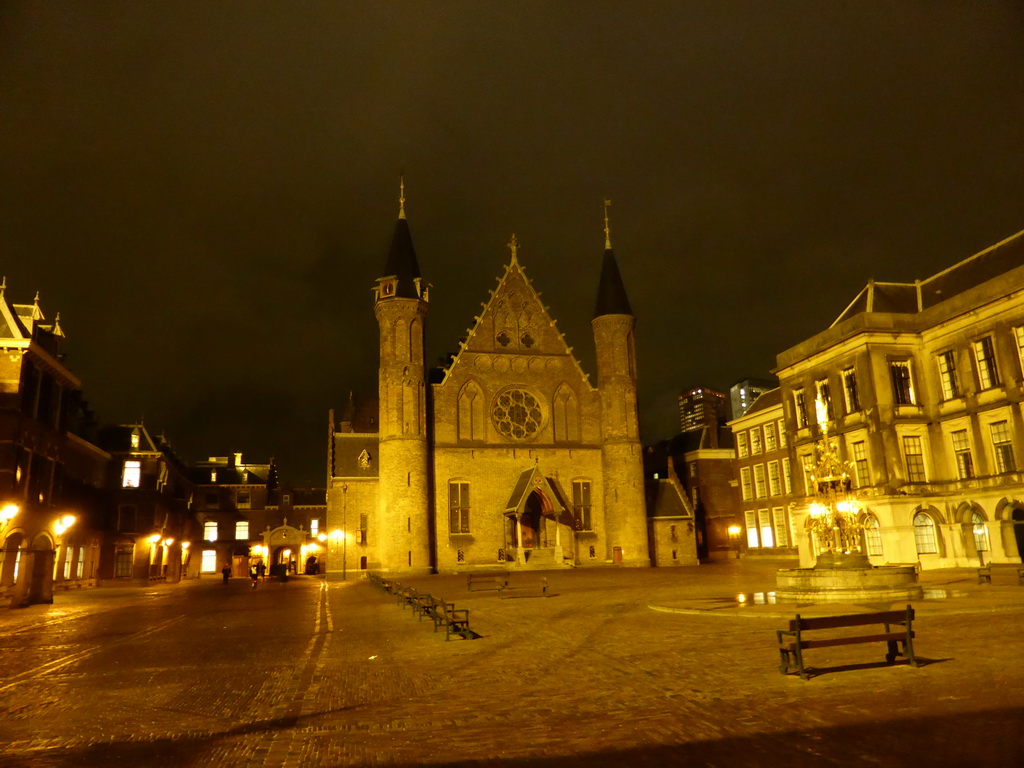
x: 843, y: 584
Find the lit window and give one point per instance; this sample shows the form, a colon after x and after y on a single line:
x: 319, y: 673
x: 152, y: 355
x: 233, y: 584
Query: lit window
x: 80, y: 563
x: 213, y: 475
x: 1002, y: 447
x: 914, y: 457
x: 132, y: 474
x: 210, y: 531
x: 860, y: 464
x: 753, y: 540
x: 759, y: 484
x: 767, y: 535
x: 693, y: 469
x: 741, y: 445
x: 458, y: 507
x: 244, y: 500
x: 209, y: 561
x: 782, y: 433
x: 68, y: 552
x: 770, y: 441
x: 980, y: 532
x: 902, y: 384
x: 755, y: 440
x: 774, y: 484
x: 581, y: 504
x: 985, y: 355
x: 135, y: 438
x: 873, y: 536
x: 314, y: 527
x: 825, y: 394
x: 745, y: 485
x: 962, y: 451
x: 924, y: 534
x: 851, y: 397
x: 947, y: 375
x: 241, y: 530
x: 787, y: 477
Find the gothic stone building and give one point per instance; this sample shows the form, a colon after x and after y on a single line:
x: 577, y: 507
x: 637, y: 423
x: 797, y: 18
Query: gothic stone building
x: 513, y: 459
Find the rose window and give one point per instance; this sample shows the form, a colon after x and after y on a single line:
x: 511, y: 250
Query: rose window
x: 517, y: 414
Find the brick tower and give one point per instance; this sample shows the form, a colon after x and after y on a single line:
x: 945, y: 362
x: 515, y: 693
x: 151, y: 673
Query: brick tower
x: 621, y: 456
x: 400, y: 305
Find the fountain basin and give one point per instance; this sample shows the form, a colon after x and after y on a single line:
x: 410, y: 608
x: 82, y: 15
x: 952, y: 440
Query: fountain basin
x: 845, y: 584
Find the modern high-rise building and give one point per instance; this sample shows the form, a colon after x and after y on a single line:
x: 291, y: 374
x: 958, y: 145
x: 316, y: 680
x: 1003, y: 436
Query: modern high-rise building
x: 702, y: 407
x: 743, y: 393
x: 512, y: 458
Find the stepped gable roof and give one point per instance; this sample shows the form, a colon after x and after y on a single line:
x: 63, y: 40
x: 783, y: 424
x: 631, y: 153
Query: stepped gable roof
x: 402, y: 263
x: 911, y: 298
x: 611, y: 293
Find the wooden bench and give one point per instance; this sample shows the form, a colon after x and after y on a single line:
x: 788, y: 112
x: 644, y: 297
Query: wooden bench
x: 476, y: 582
x: 524, y: 587
x: 898, y: 629
x: 423, y: 605
x: 455, y: 621
x: 406, y: 595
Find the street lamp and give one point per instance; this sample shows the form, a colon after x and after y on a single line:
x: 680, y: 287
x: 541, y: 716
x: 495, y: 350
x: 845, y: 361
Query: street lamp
x: 7, y: 513
x: 734, y: 538
x: 344, y: 532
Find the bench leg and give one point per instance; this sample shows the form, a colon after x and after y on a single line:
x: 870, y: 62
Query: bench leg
x: 890, y: 657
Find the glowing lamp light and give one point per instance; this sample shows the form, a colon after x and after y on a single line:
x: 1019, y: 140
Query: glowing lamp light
x: 734, y: 530
x: 817, y: 510
x: 168, y: 542
x: 846, y: 506
x: 8, y: 512
x: 337, y: 534
x: 63, y: 524
x: 322, y: 537
x: 155, y: 538
x: 186, y: 544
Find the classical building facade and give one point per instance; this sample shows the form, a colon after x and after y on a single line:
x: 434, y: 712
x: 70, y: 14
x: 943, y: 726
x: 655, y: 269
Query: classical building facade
x: 923, y: 386
x: 765, y: 478
x: 512, y: 458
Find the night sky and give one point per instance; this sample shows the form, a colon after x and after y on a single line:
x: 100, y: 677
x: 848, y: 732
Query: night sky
x: 206, y: 191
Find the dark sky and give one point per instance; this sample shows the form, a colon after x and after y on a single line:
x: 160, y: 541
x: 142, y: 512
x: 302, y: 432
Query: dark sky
x: 206, y: 190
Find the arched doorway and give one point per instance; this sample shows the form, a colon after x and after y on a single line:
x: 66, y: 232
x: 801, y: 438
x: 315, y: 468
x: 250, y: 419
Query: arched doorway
x: 1018, y: 531
x: 532, y: 522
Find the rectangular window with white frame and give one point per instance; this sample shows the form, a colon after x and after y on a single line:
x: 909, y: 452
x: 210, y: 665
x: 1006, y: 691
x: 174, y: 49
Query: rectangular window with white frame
x: 759, y: 485
x: 985, y: 356
x: 210, y: 530
x: 800, y: 408
x: 750, y: 519
x: 742, y: 447
x: 774, y: 481
x: 947, y: 374
x: 781, y: 520
x: 1002, y: 447
x: 825, y: 395
x: 782, y: 433
x: 787, y: 476
x: 755, y: 440
x: 902, y: 382
x: 764, y: 517
x: 860, y: 464
x: 851, y: 396
x: 241, y: 530
x: 244, y: 500
x: 745, y: 485
x: 314, y: 527
x: 962, y: 451
x: 913, y: 458
x: 771, y: 442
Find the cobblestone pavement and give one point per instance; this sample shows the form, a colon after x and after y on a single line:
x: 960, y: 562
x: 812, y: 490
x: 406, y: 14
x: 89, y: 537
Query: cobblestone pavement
x: 633, y: 667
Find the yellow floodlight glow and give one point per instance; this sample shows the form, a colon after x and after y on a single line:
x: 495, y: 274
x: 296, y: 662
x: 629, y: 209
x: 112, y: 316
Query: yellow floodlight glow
x: 168, y: 542
x: 8, y: 512
x: 846, y: 506
x: 817, y: 510
x: 63, y: 524
x: 734, y: 530
x: 155, y: 538
x: 322, y: 536
x: 186, y: 544
x: 337, y: 534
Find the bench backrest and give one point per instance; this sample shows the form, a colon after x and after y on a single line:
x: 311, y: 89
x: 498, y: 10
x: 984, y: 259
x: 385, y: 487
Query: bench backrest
x: 852, y: 620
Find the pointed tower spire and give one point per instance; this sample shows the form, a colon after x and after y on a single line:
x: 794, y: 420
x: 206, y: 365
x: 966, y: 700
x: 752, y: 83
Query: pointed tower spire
x: 402, y: 277
x: 611, y: 293
x: 401, y: 196
x: 513, y: 246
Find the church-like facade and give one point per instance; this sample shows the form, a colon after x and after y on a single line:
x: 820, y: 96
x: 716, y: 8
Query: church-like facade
x: 511, y: 458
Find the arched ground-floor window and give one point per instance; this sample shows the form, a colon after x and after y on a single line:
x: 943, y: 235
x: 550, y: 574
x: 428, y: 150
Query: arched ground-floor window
x: 925, y: 537
x: 872, y: 536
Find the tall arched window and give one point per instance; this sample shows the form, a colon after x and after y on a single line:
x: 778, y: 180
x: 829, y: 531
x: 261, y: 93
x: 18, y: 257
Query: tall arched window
x: 873, y: 536
x: 925, y: 536
x: 565, y: 415
x: 471, y: 412
x: 980, y: 532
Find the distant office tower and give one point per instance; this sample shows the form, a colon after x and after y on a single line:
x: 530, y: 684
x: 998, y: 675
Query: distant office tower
x: 743, y: 393
x: 701, y: 407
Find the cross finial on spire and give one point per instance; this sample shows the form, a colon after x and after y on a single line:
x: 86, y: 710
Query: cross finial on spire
x: 37, y: 298
x: 513, y: 245
x: 607, y: 230
x: 401, y: 196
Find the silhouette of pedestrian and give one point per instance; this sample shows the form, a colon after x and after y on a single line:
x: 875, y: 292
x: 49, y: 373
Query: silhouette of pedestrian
x: 261, y: 570
x: 254, y: 574
x: 226, y: 572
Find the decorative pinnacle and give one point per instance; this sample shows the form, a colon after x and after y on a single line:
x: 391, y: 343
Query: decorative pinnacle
x: 3, y: 286
x: 513, y: 245
x: 607, y: 230
x: 401, y: 196
x: 37, y: 298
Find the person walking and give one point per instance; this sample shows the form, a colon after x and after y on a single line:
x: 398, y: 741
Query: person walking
x: 254, y: 574
x: 226, y: 572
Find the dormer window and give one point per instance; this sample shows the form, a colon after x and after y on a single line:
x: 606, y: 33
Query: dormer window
x: 387, y: 288
x: 135, y: 439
